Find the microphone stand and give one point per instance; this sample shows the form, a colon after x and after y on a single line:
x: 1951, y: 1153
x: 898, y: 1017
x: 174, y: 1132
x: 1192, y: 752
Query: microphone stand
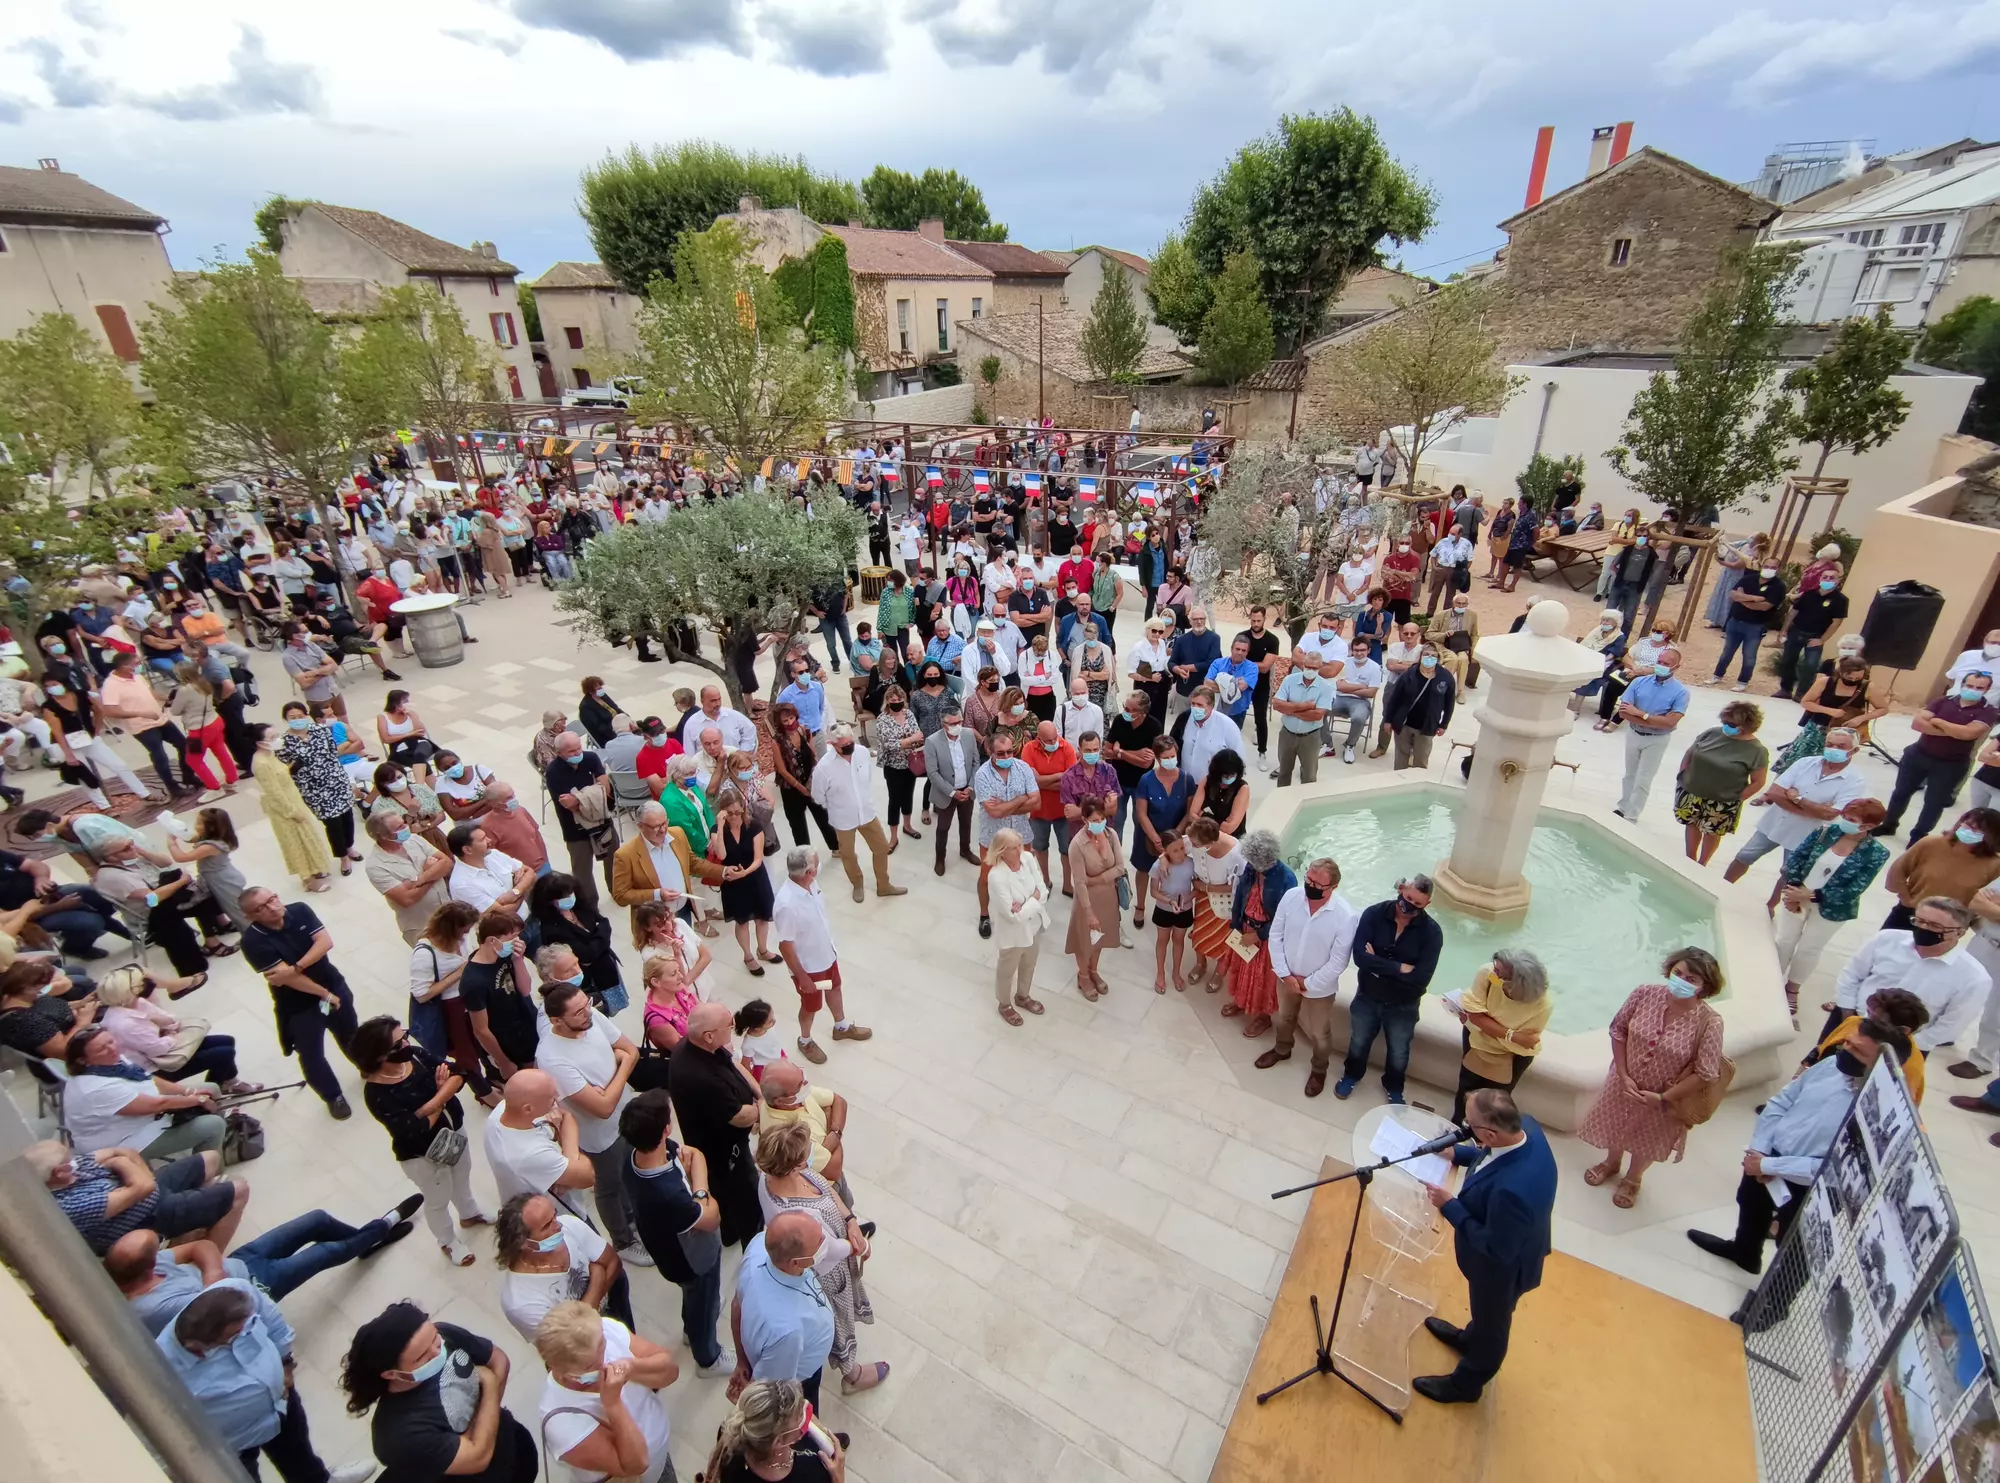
x: 1323, y: 1336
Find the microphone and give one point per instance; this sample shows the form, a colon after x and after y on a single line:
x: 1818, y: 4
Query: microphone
x: 1458, y: 1133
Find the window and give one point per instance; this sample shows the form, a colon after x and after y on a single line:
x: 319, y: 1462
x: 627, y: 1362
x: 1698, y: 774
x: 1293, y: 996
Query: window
x: 118, y: 330
x: 574, y: 335
x: 977, y: 305
x: 903, y: 325
x: 494, y: 284
x: 944, y: 324
x: 3, y: 241
x: 582, y: 378
x: 1923, y: 236
x: 514, y: 382
x: 1621, y: 251
x: 1871, y: 238
x: 503, y: 331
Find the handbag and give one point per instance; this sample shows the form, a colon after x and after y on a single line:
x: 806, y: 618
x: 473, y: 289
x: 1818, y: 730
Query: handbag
x: 243, y: 1139
x: 1698, y: 1103
x: 447, y: 1148
x: 187, y: 1040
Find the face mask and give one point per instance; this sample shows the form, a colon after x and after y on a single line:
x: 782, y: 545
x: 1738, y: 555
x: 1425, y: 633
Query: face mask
x: 1835, y: 755
x: 1849, y: 1063
x: 1228, y: 779
x: 1097, y: 826
x: 301, y: 723
x: 1198, y: 714
x: 1728, y: 730
x: 566, y: 903
x: 1091, y: 759
x: 1968, y: 836
x: 587, y: 1380
x: 58, y: 650
x: 55, y: 690
x: 1018, y: 711
x: 1429, y: 661
x: 1828, y: 586
x: 1926, y: 936
x: 1315, y: 893
x: 550, y: 1243
x: 1659, y: 635
x: 505, y: 950
x: 1327, y: 633
x: 403, y: 1053
x: 953, y: 731
x: 1126, y: 717
x: 1003, y: 764
x: 1991, y: 651
x: 1846, y: 826
x: 431, y: 1367
x: 1682, y: 988
x: 1971, y: 696
x: 1661, y: 671
x: 402, y: 836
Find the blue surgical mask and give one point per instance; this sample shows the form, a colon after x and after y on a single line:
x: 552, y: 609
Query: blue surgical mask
x: 575, y: 978
x: 1827, y: 584
x: 301, y: 723
x: 1971, y: 696
x: 505, y: 950
x: 1091, y: 759
x: 1846, y: 826
x: 587, y: 1380
x: 747, y: 777
x: 1097, y: 826
x: 402, y: 836
x: 431, y: 1367
x: 1661, y: 672
x: 1969, y: 836
x: 455, y: 771
x: 1728, y: 730
x: 1429, y: 661
x: 550, y: 1243
x: 58, y: 650
x: 512, y: 804
x: 1834, y: 754
x: 1682, y: 988
x: 566, y: 903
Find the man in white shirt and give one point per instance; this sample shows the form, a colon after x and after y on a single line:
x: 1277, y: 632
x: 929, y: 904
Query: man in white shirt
x: 531, y: 1142
x: 1805, y: 796
x: 991, y: 648
x: 843, y: 783
x: 621, y: 753
x: 1079, y: 714
x: 739, y: 732
x: 1323, y: 642
x: 805, y: 939
x: 1207, y: 732
x: 1312, y: 938
x: 1355, y: 690
x: 485, y: 877
x: 710, y: 757
x: 1930, y: 961
x: 654, y: 510
x: 590, y: 1060
x: 1447, y: 556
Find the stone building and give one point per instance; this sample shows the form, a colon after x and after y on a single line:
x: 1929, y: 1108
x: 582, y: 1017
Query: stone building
x: 1618, y: 261
x: 69, y: 247
x: 1022, y: 277
x: 342, y: 254
x: 911, y: 292
x: 589, y: 323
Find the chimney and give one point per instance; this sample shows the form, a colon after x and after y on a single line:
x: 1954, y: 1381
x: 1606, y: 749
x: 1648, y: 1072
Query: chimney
x: 1621, y: 141
x: 747, y: 204
x: 931, y: 229
x: 49, y: 163
x: 1600, y: 151
x: 1538, y: 172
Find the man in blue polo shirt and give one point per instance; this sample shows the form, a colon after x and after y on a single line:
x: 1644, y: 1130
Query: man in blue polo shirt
x: 1234, y: 676
x: 1303, y: 702
x: 1652, y: 706
x: 780, y: 1318
x: 808, y: 695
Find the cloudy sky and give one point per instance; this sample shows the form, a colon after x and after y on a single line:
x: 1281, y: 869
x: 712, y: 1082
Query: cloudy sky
x: 1082, y: 120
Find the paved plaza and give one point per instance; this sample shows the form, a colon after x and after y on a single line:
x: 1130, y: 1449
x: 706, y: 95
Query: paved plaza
x: 1077, y: 1249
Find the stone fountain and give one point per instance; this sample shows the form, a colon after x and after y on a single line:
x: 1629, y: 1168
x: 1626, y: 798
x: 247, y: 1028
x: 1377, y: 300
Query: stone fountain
x: 1530, y: 676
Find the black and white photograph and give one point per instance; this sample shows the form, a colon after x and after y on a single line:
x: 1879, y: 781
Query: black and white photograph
x: 1816, y: 1230
x: 1846, y: 1343
x: 1886, y: 1274
x: 1885, y: 1113
x: 1911, y: 1192
x: 1850, y: 1171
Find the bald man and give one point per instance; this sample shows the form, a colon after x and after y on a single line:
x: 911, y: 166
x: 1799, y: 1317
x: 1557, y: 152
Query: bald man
x: 787, y: 1100
x: 780, y: 1318
x: 738, y: 731
x: 512, y: 828
x: 531, y: 1144
x: 716, y: 1103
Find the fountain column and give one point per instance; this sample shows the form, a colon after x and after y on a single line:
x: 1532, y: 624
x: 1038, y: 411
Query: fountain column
x: 1527, y: 679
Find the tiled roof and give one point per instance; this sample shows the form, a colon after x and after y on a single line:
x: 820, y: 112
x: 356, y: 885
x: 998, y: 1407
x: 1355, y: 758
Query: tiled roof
x: 1756, y: 210
x: 420, y: 252
x: 882, y: 254
x: 577, y: 275
x: 57, y: 197
x: 1061, y: 338
x: 1009, y: 259
x: 1131, y: 260
x: 1278, y: 375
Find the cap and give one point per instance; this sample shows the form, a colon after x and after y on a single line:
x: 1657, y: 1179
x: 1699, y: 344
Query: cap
x: 652, y: 726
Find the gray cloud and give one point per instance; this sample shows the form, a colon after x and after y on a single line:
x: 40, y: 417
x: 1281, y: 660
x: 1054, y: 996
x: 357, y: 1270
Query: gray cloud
x: 1087, y: 37
x: 1775, y: 59
x: 507, y: 46
x: 12, y: 110
x: 828, y: 39
x: 643, y: 30
x: 69, y: 85
x: 257, y: 84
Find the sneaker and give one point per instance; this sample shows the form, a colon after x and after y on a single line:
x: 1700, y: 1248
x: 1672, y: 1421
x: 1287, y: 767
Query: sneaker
x: 410, y: 1206
x: 1394, y: 1099
x: 1347, y: 754
x: 354, y: 1472
x: 725, y: 1364
x: 1344, y: 1088
x: 1739, y: 687
x: 390, y: 674
x: 853, y: 1032
x: 340, y: 1110
x: 811, y: 1051
x: 986, y: 926
x: 636, y: 1255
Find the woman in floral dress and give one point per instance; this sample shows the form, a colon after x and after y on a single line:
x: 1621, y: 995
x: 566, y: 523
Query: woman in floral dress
x: 1664, y: 1038
x: 1253, y: 984
x: 310, y: 752
x: 1218, y: 860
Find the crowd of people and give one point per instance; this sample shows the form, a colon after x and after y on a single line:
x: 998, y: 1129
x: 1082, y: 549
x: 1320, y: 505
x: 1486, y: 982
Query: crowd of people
x: 1115, y: 774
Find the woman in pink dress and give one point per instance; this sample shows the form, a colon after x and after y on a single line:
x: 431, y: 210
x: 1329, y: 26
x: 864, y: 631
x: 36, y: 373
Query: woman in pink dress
x: 1664, y: 1039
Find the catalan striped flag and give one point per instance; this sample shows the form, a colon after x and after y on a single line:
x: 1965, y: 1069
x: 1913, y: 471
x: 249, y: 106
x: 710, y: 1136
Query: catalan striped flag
x: 1032, y: 483
x: 1086, y: 490
x: 765, y: 468
x: 933, y: 475
x: 600, y: 450
x: 843, y: 472
x: 569, y: 447
x: 981, y: 481
x: 804, y: 469
x: 1146, y: 493
x: 548, y: 447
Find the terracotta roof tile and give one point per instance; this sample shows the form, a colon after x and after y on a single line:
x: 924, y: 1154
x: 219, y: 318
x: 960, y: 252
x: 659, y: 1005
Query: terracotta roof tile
x: 882, y: 254
x: 420, y: 252
x: 56, y: 196
x: 1009, y: 259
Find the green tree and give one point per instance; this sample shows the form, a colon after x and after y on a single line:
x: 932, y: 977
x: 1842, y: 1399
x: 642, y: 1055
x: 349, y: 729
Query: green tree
x: 1269, y: 547
x: 1716, y: 428
x: 270, y: 219
x: 1845, y: 400
x: 1179, y: 291
x: 46, y: 541
x: 1114, y: 336
x: 417, y: 347
x: 531, y: 312
x: 899, y: 200
x: 1539, y: 479
x: 821, y: 292
x: 724, y: 359
x: 67, y: 407
x: 1968, y: 340
x: 1420, y: 370
x: 1313, y: 202
x: 253, y: 384
x: 1236, y: 338
x: 637, y: 204
x: 741, y: 567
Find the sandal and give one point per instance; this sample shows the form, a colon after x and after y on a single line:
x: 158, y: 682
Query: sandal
x: 1180, y: 984
x: 1229, y: 1010
x: 220, y: 950
x: 1256, y: 1025
x: 1159, y: 986
x: 1031, y: 1004
x: 476, y: 1220
x: 1087, y: 989
x: 458, y: 1255
x: 192, y: 984
x: 1597, y: 1173
x: 771, y: 957
x: 880, y: 1369
x: 1011, y: 1015
x: 755, y: 968
x: 1626, y: 1193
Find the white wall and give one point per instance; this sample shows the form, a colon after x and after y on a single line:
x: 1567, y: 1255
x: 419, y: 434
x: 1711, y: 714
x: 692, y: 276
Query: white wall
x: 939, y: 404
x: 1587, y: 410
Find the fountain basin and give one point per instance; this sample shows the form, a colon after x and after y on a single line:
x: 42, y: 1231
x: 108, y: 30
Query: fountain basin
x: 1603, y: 914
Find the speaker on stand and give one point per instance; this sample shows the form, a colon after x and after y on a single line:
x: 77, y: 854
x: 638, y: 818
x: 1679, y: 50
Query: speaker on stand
x: 1896, y: 632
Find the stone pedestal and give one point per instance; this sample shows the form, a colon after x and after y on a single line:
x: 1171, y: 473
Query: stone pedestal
x: 1528, y: 678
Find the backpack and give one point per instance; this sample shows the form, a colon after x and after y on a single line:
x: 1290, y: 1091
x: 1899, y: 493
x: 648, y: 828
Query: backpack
x: 244, y: 1139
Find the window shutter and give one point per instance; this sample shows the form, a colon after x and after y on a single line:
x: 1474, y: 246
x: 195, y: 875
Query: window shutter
x: 118, y: 330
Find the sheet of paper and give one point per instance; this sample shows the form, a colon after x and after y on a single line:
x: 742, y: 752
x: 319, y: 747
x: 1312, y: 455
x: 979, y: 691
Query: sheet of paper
x: 1392, y: 1141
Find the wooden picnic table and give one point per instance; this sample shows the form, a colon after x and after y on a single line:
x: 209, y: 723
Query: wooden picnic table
x: 1584, y: 549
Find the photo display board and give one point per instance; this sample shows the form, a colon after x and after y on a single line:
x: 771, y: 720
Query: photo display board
x: 1870, y: 1351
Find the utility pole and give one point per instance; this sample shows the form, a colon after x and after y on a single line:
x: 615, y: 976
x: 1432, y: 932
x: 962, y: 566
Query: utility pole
x: 1041, y: 408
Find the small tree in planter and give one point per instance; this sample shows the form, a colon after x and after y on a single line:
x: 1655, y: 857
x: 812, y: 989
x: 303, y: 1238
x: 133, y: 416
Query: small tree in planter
x: 1268, y: 552
x: 1539, y: 479
x: 1845, y: 397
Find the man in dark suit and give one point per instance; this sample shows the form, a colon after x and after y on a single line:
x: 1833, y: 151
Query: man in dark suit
x: 1500, y: 1225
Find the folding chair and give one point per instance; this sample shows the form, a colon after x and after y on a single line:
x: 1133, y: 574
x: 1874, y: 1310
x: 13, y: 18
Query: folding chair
x: 629, y: 794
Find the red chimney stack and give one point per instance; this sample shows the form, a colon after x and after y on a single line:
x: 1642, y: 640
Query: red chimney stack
x: 1538, y: 172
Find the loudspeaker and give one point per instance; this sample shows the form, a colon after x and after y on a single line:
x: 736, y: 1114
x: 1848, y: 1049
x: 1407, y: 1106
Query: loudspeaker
x: 1898, y: 627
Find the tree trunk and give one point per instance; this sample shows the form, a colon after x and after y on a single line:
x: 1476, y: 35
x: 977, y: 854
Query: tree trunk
x: 1825, y: 453
x: 722, y: 672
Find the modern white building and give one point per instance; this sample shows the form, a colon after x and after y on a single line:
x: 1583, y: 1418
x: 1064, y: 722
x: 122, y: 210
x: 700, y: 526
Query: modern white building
x: 1917, y: 241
